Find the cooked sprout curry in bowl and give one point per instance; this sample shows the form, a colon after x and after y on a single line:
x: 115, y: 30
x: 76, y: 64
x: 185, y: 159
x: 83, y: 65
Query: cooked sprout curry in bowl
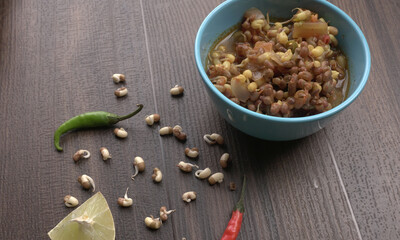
x: 281, y: 70
x: 290, y: 68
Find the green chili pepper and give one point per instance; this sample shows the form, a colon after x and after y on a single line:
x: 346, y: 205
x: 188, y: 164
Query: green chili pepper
x: 90, y: 120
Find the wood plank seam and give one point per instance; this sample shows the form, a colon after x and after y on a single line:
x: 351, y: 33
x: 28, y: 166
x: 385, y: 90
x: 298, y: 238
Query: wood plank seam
x: 154, y: 98
x: 342, y: 185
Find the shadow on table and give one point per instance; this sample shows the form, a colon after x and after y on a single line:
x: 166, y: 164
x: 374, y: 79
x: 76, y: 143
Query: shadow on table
x: 256, y: 154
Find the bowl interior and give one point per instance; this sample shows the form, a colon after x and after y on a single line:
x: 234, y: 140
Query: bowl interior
x: 351, y: 40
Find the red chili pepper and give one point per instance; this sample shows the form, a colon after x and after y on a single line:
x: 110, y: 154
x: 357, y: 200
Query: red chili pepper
x: 233, y: 228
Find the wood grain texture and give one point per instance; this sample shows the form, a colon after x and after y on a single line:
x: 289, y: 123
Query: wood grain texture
x: 57, y: 58
x: 333, y: 220
x: 367, y: 146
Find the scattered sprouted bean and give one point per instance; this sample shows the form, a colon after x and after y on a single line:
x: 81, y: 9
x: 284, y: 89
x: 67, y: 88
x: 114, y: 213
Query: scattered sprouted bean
x: 153, y: 223
x: 208, y: 139
x: 105, y: 153
x: 164, y: 213
x: 81, y: 154
x: 203, y: 174
x: 186, y: 167
x: 176, y: 91
x: 213, y: 139
x: 166, y: 131
x: 117, y: 77
x: 120, y: 132
x: 70, y: 201
x: 153, y: 118
x: 125, y: 201
x: 218, y: 138
x: 178, y: 133
x: 216, y: 178
x: 121, y: 92
x: 225, y: 160
x: 189, y: 196
x: 138, y: 164
x: 192, y: 152
x: 87, y: 182
x: 157, y: 175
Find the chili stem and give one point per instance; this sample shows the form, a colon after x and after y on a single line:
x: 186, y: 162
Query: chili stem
x: 120, y: 118
x: 240, y: 206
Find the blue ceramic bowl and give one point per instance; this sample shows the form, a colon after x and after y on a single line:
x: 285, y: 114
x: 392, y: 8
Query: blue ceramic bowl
x: 351, y: 41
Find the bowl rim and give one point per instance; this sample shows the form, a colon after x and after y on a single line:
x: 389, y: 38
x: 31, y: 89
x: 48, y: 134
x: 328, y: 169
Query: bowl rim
x: 316, y: 117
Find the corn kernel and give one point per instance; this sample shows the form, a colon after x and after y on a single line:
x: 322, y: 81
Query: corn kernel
x: 329, y: 53
x: 252, y: 87
x: 257, y: 24
x: 228, y: 86
x: 310, y: 47
x: 226, y: 65
x: 286, y: 29
x: 282, y: 38
x: 241, y: 78
x: 278, y: 25
x: 230, y: 58
x: 248, y: 74
x: 260, y: 82
x: 272, y: 33
x: 287, y: 56
x: 220, y: 80
x: 335, y: 74
x: 263, y: 57
x: 220, y: 88
x: 245, y: 61
x: 316, y: 88
x: 215, y: 55
x: 318, y: 51
x: 216, y: 61
x: 304, y: 15
x: 298, y: 24
x: 317, y: 64
x: 222, y: 48
x: 266, y: 27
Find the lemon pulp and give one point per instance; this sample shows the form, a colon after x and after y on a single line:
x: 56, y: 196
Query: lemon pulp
x: 91, y: 220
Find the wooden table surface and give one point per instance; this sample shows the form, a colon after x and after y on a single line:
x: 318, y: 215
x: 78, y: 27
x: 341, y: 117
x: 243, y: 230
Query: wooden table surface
x: 56, y: 60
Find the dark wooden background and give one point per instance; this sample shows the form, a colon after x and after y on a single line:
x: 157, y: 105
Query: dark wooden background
x: 56, y: 60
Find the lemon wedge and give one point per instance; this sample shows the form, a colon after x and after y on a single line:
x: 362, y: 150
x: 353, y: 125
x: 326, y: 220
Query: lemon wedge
x: 92, y: 220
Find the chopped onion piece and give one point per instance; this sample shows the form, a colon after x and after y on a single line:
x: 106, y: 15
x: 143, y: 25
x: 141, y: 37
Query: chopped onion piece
x: 239, y: 90
x: 309, y: 29
x: 254, y: 12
